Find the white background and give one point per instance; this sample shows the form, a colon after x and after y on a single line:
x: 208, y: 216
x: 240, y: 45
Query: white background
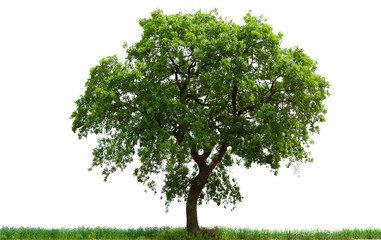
x: 46, y: 51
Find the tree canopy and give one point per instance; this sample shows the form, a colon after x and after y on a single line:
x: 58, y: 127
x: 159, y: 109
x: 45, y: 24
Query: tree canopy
x: 198, y: 94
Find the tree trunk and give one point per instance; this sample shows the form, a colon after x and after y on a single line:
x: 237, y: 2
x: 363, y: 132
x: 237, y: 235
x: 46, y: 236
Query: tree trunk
x: 191, y: 210
x: 197, y: 185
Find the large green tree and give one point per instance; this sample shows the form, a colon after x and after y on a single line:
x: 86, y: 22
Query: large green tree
x: 196, y: 95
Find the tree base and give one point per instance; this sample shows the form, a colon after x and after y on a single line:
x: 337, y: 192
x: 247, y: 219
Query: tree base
x: 211, y: 234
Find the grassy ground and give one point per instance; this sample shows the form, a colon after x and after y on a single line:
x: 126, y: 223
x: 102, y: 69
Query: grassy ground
x: 167, y: 233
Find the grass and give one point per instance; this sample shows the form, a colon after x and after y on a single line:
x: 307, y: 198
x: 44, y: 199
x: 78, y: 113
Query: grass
x: 167, y: 233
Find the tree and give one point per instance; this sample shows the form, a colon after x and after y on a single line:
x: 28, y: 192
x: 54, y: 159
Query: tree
x: 196, y: 95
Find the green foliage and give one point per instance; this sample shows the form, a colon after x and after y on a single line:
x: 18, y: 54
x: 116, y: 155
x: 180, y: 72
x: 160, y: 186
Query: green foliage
x: 194, y: 83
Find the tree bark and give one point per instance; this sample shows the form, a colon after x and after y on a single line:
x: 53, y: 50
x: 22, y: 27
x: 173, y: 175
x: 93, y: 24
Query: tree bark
x: 197, y: 185
x: 191, y: 211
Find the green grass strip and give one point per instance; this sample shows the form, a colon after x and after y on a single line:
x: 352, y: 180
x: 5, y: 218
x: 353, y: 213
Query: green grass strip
x: 168, y: 233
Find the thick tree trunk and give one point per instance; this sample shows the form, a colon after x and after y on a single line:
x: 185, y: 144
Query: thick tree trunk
x: 191, y: 210
x: 197, y: 185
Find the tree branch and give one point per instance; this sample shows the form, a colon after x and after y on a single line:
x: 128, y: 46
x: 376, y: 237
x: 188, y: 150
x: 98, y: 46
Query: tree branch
x: 191, y: 95
x: 263, y: 99
x: 177, y: 69
x: 182, y: 89
x: 268, y: 99
x: 234, y: 99
x: 200, y: 160
x: 169, y: 69
x: 240, y: 112
x: 177, y: 133
x: 269, y: 90
x: 268, y: 149
x: 193, y: 64
x: 207, y: 153
x: 202, y: 93
x: 217, y: 159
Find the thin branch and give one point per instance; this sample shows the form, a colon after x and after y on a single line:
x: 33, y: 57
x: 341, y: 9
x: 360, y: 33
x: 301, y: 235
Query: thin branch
x: 193, y: 64
x: 234, y: 99
x: 169, y: 69
x: 268, y: 99
x: 175, y: 65
x: 196, y: 99
x: 177, y: 80
x: 271, y: 88
x: 206, y: 98
x: 195, y: 94
x: 268, y: 149
x: 171, y: 84
x: 240, y: 112
x: 263, y: 99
